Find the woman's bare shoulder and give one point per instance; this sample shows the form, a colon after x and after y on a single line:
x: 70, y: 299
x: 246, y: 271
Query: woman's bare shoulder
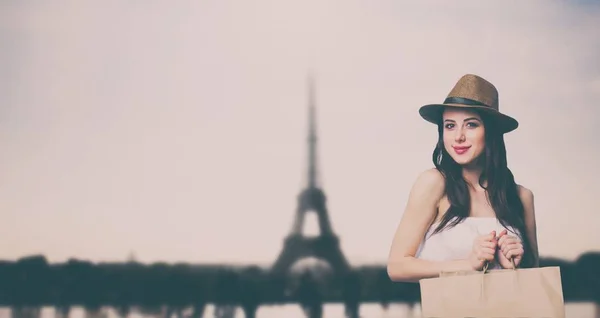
x: 431, y: 178
x: 430, y: 185
x: 419, y: 213
x: 525, y: 194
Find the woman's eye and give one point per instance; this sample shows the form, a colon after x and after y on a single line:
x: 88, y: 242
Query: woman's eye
x: 449, y: 126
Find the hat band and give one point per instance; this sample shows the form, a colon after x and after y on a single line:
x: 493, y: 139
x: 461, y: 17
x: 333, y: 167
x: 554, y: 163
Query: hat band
x: 465, y: 101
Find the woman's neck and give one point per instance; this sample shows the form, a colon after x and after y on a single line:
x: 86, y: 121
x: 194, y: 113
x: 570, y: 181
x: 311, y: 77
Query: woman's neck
x: 471, y: 176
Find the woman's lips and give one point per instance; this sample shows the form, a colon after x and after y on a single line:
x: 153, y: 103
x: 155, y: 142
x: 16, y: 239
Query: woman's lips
x: 461, y: 150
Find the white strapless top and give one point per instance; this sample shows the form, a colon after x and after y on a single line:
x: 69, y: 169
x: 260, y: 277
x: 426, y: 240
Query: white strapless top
x: 457, y: 242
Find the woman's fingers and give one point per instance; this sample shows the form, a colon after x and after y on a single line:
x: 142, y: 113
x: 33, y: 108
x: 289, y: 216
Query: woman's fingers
x: 517, y: 252
x: 486, y: 253
x: 510, y: 250
x: 507, y: 239
x: 491, y: 245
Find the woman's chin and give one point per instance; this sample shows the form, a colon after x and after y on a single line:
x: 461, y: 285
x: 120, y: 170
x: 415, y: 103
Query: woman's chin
x: 463, y: 160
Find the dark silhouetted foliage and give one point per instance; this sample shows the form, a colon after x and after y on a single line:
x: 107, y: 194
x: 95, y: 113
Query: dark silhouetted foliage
x: 31, y: 281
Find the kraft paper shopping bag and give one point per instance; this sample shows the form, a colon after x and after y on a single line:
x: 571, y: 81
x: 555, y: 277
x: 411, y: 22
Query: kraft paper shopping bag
x: 529, y: 292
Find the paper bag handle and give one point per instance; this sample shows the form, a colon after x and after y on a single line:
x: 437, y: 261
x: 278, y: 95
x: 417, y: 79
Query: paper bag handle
x: 486, y: 265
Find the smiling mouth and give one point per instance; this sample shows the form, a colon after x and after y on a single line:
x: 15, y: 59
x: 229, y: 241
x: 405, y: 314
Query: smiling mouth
x: 461, y: 150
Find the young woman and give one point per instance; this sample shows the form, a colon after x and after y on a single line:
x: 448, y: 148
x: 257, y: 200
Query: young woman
x: 467, y: 212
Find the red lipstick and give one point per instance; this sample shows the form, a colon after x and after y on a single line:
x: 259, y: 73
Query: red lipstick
x: 462, y: 149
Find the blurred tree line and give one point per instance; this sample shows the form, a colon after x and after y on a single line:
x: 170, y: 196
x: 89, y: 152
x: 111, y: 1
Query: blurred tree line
x: 32, y: 281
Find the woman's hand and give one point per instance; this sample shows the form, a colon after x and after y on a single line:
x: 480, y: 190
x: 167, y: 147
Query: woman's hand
x: 509, y: 246
x: 484, y: 250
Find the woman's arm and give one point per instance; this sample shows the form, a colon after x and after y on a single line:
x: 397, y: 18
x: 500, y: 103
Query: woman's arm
x: 419, y: 213
x: 526, y: 196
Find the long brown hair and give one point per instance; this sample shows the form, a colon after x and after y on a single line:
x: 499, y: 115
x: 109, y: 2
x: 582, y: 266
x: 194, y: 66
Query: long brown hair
x: 501, y: 188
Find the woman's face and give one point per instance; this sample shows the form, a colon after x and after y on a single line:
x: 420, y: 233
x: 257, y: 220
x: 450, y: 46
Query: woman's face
x: 464, y: 135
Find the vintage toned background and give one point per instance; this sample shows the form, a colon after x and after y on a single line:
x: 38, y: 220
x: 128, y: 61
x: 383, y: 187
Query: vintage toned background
x: 176, y: 131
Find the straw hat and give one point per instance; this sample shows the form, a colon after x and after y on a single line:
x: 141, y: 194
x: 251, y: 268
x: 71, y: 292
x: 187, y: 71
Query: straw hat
x: 471, y: 92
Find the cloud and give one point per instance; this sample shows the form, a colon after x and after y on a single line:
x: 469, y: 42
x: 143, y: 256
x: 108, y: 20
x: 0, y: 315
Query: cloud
x: 189, y: 120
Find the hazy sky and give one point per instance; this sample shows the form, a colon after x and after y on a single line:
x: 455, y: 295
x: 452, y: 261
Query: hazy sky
x: 179, y: 131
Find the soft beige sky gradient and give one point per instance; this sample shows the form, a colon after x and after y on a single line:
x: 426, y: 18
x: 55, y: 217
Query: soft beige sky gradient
x: 178, y: 130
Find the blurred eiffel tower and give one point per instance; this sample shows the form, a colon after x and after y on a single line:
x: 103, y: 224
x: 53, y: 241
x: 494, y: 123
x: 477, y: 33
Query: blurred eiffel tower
x: 312, y: 199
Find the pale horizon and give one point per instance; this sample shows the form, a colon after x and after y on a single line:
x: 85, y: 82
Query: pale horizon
x: 117, y: 114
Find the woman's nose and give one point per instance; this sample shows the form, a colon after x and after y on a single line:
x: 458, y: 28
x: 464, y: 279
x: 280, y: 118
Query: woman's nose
x: 460, y: 136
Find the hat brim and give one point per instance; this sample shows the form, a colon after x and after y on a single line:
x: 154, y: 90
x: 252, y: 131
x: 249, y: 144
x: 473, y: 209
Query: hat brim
x: 433, y: 114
